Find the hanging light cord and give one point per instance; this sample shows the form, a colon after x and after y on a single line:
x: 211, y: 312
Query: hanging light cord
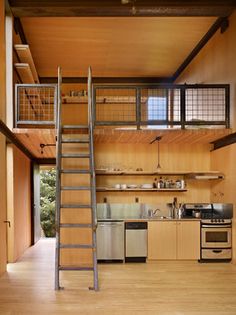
x: 158, y: 138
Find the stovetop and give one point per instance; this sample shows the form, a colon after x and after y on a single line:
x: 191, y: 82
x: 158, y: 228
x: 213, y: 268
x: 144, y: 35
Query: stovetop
x: 216, y: 221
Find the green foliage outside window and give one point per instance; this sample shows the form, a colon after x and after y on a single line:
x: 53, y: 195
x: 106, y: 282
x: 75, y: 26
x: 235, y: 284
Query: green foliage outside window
x: 47, y: 201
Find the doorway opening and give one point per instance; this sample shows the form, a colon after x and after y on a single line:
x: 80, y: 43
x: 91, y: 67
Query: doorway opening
x: 47, y: 201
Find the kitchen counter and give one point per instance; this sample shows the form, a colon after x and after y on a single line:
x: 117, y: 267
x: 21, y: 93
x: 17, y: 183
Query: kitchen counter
x: 150, y: 219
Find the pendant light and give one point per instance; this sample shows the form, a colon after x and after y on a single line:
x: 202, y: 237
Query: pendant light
x: 158, y: 138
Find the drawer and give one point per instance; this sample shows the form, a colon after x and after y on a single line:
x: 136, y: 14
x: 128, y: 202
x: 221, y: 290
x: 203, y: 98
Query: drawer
x: 217, y: 253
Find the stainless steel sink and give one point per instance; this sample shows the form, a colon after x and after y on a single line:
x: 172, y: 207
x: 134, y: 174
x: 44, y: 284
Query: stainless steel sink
x: 160, y: 218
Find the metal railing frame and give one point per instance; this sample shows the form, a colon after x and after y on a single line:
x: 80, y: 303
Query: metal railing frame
x: 182, y: 122
x: 17, y: 105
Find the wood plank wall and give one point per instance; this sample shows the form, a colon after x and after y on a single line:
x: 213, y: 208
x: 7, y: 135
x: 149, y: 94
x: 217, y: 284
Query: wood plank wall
x: 18, y: 202
x: 2, y: 142
x: 216, y: 63
x: 224, y: 191
x: 74, y: 113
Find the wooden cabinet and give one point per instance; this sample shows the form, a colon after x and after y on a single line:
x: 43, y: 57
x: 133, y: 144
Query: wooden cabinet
x: 162, y: 240
x: 174, y: 240
x: 188, y: 240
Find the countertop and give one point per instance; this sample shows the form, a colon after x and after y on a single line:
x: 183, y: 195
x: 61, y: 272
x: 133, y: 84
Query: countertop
x: 150, y: 219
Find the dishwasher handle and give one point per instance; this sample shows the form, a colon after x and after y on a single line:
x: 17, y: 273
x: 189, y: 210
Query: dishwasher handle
x: 136, y: 225
x: 107, y: 224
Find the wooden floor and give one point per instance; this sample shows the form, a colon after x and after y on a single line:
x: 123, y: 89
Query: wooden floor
x: 173, y: 287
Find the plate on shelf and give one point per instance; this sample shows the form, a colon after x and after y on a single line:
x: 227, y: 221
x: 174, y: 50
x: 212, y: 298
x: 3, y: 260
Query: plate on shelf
x: 132, y: 186
x: 146, y: 186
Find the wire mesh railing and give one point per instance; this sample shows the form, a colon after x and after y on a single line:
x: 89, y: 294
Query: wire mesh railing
x: 35, y: 104
x: 175, y: 106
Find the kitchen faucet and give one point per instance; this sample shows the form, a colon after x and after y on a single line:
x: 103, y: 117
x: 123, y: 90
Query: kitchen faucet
x: 151, y: 212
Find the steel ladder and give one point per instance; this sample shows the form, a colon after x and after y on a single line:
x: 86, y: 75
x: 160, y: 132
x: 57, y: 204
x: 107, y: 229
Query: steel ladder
x: 72, y: 228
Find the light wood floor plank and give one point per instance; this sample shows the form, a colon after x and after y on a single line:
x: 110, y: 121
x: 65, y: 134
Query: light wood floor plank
x: 160, y: 288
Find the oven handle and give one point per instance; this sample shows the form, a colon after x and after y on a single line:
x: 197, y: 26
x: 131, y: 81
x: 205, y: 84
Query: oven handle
x: 217, y: 226
x: 217, y: 251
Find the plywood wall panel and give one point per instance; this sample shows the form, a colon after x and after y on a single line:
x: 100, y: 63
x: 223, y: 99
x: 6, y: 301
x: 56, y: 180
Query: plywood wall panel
x: 76, y: 215
x: 75, y: 114
x: 216, y: 63
x: 22, y: 203
x: 76, y: 236
x: 224, y: 191
x: 172, y: 158
x: 3, y: 211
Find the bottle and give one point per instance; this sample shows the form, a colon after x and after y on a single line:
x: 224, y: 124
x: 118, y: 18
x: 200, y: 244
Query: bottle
x: 155, y: 183
x: 161, y: 183
x: 182, y: 184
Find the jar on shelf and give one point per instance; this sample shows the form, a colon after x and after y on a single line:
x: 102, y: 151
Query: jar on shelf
x: 178, y: 184
x: 161, y: 182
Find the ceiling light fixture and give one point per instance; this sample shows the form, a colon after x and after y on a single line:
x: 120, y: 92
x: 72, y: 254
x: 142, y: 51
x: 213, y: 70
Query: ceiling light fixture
x: 158, y: 138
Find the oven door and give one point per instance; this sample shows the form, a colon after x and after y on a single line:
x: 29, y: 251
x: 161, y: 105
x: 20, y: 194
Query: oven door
x: 216, y: 237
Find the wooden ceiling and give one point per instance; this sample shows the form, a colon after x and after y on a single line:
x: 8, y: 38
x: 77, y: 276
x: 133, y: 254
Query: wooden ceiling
x: 113, y: 46
x: 32, y: 138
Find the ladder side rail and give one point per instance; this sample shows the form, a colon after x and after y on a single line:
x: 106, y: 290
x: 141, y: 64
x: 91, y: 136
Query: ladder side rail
x: 58, y: 180
x: 93, y: 181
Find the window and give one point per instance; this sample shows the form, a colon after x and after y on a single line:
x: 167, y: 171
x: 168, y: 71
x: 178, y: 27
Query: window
x: 157, y: 108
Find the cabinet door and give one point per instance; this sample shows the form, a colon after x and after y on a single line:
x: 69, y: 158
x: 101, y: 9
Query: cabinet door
x: 161, y: 240
x: 188, y: 240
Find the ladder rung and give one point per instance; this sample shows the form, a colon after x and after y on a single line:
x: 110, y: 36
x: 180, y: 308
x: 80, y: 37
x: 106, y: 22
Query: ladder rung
x: 75, y: 188
x: 75, y: 225
x: 75, y: 127
x: 71, y: 268
x: 76, y: 171
x: 75, y: 155
x: 80, y: 206
x: 75, y: 141
x: 76, y: 246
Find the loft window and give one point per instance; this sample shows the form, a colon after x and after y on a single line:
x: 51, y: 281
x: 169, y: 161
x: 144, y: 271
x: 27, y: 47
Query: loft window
x: 157, y: 108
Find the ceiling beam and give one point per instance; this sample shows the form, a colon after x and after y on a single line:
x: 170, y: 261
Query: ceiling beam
x: 46, y: 161
x: 52, y: 8
x: 13, y: 139
x: 225, y: 141
x: 19, y: 30
x: 219, y: 23
x: 105, y: 80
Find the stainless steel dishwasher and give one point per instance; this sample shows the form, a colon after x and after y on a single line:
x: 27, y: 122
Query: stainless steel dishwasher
x: 110, y: 240
x: 135, y: 241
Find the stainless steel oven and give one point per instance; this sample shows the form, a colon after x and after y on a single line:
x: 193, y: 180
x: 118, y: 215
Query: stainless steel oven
x: 216, y: 235
x: 216, y: 239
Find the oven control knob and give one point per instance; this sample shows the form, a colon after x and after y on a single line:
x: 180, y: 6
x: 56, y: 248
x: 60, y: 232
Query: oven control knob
x: 212, y: 220
x: 222, y: 220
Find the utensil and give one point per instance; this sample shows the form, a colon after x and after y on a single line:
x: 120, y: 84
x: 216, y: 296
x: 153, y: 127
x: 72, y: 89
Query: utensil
x: 196, y: 214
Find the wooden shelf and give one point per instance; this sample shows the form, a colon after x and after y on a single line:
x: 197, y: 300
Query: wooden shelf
x: 103, y: 189
x: 139, y: 173
x: 25, y: 57
x: 188, y: 175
